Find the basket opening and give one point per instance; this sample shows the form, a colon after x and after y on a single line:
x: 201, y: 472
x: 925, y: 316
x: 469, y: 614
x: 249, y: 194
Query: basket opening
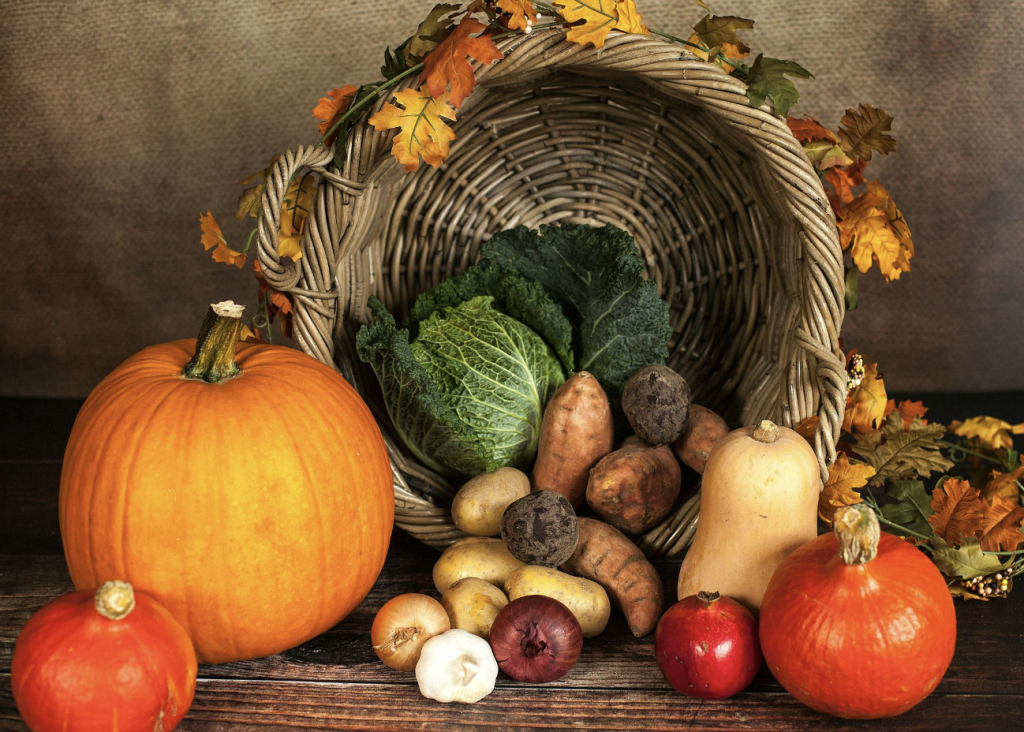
x: 574, y: 148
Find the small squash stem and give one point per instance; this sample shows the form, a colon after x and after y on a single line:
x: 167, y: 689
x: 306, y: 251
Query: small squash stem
x: 114, y: 599
x: 214, y: 359
x: 708, y: 597
x: 767, y: 432
x: 857, y: 531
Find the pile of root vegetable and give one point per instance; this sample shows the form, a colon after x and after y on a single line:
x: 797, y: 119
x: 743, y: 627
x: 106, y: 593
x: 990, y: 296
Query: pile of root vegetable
x: 534, y: 578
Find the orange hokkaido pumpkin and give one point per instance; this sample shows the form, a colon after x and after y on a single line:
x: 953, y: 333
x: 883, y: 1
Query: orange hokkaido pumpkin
x: 250, y: 493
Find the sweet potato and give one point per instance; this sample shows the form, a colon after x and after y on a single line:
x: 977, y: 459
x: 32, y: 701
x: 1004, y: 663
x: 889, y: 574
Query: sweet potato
x: 607, y: 557
x: 634, y: 488
x: 703, y: 430
x: 575, y: 433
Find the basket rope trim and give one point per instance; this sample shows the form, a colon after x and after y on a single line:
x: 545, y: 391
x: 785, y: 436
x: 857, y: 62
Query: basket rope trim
x: 348, y: 212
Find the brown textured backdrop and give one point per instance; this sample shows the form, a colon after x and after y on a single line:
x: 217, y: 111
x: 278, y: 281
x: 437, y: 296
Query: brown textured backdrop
x: 120, y: 122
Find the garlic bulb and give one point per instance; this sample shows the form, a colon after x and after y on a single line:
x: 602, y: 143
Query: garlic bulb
x: 456, y: 666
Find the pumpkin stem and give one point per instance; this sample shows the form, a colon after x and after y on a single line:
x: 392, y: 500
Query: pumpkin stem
x: 114, y: 599
x: 215, y: 347
x: 857, y: 530
x: 767, y: 432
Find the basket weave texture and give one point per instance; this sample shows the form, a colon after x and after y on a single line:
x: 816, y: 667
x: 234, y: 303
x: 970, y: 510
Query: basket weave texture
x: 727, y: 212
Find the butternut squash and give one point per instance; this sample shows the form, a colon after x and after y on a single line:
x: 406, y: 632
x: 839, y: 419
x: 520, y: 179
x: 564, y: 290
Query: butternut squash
x: 758, y: 504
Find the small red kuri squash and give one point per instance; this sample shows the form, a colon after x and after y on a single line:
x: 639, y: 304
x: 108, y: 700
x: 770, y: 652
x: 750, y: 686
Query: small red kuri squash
x: 858, y: 624
x: 110, y: 659
x: 250, y: 493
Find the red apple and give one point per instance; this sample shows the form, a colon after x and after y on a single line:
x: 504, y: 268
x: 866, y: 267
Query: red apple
x: 707, y: 646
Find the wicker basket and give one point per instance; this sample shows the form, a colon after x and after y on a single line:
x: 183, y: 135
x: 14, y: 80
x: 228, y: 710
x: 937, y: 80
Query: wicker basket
x: 727, y: 211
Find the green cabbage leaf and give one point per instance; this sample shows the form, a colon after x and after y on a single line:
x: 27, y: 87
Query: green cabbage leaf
x: 467, y: 394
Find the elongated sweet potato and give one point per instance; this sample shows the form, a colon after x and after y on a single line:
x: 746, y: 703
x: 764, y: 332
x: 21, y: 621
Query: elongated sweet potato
x: 609, y: 558
x: 575, y: 433
x: 703, y: 430
x: 634, y: 487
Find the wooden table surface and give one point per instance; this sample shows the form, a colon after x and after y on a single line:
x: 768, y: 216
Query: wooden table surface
x: 336, y: 682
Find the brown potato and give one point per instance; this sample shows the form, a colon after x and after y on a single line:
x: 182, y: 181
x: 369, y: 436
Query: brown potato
x: 575, y: 433
x: 634, y: 488
x: 703, y: 430
x: 609, y: 558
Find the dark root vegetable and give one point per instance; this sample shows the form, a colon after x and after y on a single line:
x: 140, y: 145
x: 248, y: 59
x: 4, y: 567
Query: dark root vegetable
x: 540, y: 529
x: 536, y: 639
x: 656, y: 401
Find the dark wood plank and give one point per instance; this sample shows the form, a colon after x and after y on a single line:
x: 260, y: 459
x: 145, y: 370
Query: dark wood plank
x: 229, y: 704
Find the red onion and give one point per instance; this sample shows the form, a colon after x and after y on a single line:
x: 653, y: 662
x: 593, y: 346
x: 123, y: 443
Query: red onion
x: 536, y: 639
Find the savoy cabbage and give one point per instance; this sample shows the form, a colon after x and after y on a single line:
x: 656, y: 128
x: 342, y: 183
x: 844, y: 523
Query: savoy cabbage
x: 467, y: 394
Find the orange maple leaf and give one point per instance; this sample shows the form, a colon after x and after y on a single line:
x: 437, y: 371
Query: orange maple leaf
x: 808, y: 129
x: 212, y: 238
x: 1000, y: 526
x: 726, y: 49
x: 865, y: 404
x: 843, y: 180
x: 248, y: 335
x: 991, y: 431
x: 423, y: 132
x: 839, y: 490
x: 330, y: 109
x: 807, y: 428
x: 1005, y: 485
x: 873, y: 229
x: 908, y: 410
x: 959, y: 511
x: 522, y: 11
x: 446, y: 66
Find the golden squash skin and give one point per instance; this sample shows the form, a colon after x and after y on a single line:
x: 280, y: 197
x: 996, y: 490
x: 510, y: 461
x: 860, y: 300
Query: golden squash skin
x: 258, y: 509
x: 759, y: 503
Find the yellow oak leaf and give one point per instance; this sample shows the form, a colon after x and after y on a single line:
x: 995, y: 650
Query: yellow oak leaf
x: 873, y: 229
x: 212, y: 238
x: 959, y: 511
x: 991, y: 431
x: 833, y: 157
x: 1000, y: 526
x: 865, y: 404
x: 294, y: 212
x: 423, y: 131
x: 630, y: 20
x: 594, y: 20
x: 430, y: 32
x: 864, y: 131
x: 330, y: 109
x: 1005, y: 485
x: 522, y: 12
x: 843, y: 478
x: 718, y: 30
x: 727, y: 49
x: 249, y: 201
x: 248, y: 335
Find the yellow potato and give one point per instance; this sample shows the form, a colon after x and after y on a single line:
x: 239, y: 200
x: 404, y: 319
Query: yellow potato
x: 476, y: 556
x: 587, y: 600
x: 480, y: 503
x: 472, y: 604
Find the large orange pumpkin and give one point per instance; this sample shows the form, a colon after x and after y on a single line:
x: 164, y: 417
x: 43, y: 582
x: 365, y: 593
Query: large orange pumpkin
x: 250, y: 493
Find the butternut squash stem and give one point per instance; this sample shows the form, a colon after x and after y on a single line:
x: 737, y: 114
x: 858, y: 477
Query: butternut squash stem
x: 856, y: 528
x: 114, y: 599
x: 766, y: 432
x: 214, y: 359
